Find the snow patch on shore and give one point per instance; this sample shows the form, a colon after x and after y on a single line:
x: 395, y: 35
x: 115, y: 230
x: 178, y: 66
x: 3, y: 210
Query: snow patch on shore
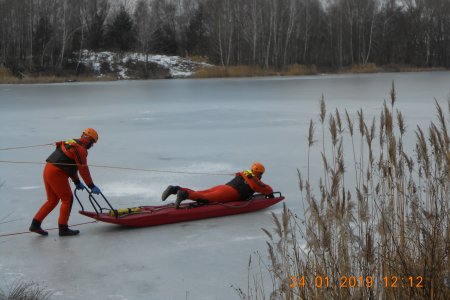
x: 177, y: 66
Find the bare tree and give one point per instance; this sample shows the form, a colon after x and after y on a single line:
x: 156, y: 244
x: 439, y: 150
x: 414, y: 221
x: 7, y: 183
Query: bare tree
x: 43, y: 35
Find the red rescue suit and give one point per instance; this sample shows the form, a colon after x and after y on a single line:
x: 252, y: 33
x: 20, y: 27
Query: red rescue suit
x: 68, y: 158
x: 240, y: 188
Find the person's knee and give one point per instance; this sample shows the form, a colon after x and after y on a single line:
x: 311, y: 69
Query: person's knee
x: 67, y: 199
x: 52, y: 199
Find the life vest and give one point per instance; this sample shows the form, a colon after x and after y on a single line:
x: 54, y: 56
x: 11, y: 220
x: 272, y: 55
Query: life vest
x: 239, y: 183
x: 60, y: 157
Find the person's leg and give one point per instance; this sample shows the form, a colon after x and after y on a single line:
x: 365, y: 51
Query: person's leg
x: 52, y: 197
x: 66, y: 196
x: 220, y: 193
x: 48, y: 206
x: 61, y: 187
x: 170, y: 190
x: 58, y: 182
x: 64, y: 214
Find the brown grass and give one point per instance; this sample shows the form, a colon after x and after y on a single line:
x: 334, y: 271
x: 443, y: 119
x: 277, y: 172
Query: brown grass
x: 295, y: 70
x: 6, y: 76
x: 300, y: 70
x: 233, y: 71
x: 198, y: 58
x: 386, y: 237
x: 406, y: 68
x: 363, y: 68
x: 249, y: 71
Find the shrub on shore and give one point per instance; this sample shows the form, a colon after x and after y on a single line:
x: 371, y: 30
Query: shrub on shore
x: 6, y: 77
x: 386, y: 237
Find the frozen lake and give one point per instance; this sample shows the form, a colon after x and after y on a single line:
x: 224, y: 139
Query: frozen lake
x: 206, y: 126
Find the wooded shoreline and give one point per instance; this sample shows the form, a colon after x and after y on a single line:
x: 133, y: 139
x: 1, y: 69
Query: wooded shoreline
x: 46, y: 37
x: 6, y: 77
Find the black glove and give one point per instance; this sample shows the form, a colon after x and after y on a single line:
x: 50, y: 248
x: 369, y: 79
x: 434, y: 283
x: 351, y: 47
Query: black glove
x: 270, y: 196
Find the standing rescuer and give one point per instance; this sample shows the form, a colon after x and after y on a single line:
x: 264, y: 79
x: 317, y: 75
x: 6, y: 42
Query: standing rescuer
x: 241, y: 187
x: 69, y: 158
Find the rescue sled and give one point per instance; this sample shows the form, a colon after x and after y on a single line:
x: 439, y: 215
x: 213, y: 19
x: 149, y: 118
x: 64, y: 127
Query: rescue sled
x: 165, y: 214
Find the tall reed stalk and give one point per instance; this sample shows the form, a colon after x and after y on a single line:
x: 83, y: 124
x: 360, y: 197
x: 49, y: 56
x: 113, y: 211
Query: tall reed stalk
x: 386, y: 236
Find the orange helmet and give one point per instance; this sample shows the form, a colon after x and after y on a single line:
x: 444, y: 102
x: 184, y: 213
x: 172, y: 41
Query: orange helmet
x: 258, y: 168
x: 90, y: 132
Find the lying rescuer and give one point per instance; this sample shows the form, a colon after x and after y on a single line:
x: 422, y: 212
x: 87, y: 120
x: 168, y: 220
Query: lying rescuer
x: 241, y: 187
x: 68, y: 158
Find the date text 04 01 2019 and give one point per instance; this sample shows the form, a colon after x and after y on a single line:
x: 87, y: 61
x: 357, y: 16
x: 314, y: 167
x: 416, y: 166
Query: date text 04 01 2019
x: 357, y: 282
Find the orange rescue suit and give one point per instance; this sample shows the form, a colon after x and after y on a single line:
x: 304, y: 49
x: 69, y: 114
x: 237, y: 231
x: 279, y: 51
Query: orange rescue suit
x: 241, y: 187
x: 68, y: 158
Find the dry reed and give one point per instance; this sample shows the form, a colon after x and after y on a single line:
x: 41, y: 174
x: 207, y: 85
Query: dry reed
x: 19, y: 290
x: 392, y: 242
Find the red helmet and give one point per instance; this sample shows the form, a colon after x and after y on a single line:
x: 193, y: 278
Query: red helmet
x: 258, y: 168
x: 90, y: 132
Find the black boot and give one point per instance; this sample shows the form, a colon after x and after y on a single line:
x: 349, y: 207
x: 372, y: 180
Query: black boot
x: 170, y: 190
x: 181, y: 195
x: 36, y: 227
x: 64, y: 230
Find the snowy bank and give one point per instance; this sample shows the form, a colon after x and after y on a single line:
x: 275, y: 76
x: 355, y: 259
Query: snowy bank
x: 128, y: 65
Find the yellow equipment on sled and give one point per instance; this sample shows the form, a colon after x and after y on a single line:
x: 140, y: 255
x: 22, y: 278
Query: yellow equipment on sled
x: 124, y: 211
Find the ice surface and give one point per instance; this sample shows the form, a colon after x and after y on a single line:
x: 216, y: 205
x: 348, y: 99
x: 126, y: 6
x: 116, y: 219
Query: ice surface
x: 212, y: 126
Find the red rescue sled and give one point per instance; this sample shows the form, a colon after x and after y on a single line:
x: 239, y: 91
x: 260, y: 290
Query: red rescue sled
x: 165, y: 214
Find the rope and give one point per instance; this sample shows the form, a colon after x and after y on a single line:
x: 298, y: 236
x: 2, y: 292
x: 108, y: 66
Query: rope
x: 10, y: 221
x: 53, y: 228
x: 102, y: 166
x: 119, y: 168
x: 22, y: 147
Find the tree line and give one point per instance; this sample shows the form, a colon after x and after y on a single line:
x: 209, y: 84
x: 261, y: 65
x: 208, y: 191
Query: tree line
x: 50, y: 34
